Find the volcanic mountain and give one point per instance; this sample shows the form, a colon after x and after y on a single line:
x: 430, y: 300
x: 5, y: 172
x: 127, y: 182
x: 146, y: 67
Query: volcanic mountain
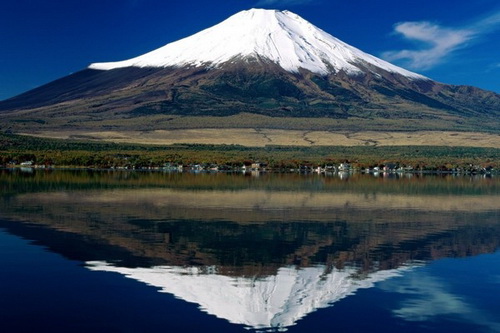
x: 257, y: 69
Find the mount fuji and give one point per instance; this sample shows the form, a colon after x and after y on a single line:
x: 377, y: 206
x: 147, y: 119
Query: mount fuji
x: 251, y: 70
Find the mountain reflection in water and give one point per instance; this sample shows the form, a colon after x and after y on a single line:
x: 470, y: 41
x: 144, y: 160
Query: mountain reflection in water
x: 263, y: 252
x: 275, y: 301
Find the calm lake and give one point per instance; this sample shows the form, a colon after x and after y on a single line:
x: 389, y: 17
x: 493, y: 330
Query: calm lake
x: 89, y: 251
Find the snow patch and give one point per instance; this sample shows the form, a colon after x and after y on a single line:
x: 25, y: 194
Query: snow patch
x: 281, y: 37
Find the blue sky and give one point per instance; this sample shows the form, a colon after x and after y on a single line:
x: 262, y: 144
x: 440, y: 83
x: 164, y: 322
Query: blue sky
x: 451, y: 41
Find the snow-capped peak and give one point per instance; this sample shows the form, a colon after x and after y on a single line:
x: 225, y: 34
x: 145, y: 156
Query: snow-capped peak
x: 281, y: 37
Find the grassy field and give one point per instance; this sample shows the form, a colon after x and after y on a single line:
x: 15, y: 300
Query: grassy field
x: 264, y: 137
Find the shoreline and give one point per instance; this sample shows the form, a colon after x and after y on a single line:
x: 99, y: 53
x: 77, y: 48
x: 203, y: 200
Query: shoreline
x: 189, y: 169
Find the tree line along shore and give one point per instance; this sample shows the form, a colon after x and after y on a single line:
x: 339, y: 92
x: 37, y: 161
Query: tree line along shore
x: 16, y: 150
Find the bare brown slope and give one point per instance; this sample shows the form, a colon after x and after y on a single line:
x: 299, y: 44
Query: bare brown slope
x: 131, y: 98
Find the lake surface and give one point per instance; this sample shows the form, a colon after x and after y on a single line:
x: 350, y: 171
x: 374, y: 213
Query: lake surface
x: 88, y: 251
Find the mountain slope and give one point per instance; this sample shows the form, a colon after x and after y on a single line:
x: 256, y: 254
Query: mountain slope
x: 264, y: 62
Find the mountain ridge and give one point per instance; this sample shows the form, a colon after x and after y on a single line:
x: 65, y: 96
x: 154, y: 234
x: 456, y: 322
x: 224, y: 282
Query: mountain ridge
x: 132, y: 94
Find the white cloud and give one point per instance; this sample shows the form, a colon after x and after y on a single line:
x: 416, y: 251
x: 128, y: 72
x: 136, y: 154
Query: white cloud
x: 282, y: 2
x: 437, y: 42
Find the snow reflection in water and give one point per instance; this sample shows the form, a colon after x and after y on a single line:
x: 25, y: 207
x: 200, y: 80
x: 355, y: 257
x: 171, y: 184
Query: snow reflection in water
x: 272, y: 302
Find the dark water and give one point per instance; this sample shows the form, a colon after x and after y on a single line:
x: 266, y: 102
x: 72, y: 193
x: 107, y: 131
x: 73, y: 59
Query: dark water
x: 151, y: 252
